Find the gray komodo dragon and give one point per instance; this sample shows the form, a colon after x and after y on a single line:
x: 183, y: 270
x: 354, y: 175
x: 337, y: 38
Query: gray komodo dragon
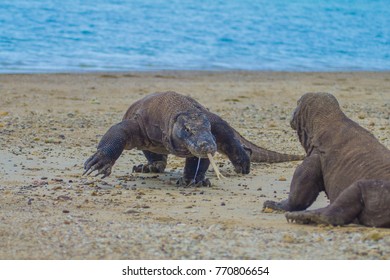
x: 344, y: 160
x: 170, y: 123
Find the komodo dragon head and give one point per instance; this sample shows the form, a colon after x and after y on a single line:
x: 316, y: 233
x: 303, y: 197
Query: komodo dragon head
x: 315, y: 113
x: 191, y: 131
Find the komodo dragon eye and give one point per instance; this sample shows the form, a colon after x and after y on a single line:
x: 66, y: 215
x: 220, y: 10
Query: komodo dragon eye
x: 186, y: 129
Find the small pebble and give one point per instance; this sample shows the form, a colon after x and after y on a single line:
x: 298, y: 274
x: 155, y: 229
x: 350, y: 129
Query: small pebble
x: 131, y: 211
x: 64, y: 197
x: 289, y: 238
x: 268, y: 210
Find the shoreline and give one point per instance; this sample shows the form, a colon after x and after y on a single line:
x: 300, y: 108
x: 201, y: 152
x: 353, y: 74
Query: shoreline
x: 151, y: 71
x: 50, y: 123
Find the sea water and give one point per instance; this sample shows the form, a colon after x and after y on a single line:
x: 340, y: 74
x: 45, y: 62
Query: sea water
x: 120, y: 35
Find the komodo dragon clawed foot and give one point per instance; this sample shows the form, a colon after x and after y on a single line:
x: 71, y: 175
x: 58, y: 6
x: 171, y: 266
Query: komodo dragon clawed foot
x: 274, y: 205
x: 193, y: 183
x: 154, y: 167
x: 101, y: 162
x: 156, y: 163
x: 241, y: 162
x: 299, y: 218
x: 311, y: 217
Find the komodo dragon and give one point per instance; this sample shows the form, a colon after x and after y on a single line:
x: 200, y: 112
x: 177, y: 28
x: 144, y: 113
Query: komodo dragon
x: 170, y: 123
x: 344, y: 160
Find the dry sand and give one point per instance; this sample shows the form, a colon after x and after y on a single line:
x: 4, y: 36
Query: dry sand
x: 50, y: 124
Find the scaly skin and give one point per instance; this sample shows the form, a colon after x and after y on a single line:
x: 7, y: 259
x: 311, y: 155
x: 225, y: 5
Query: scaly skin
x: 170, y: 123
x: 344, y: 160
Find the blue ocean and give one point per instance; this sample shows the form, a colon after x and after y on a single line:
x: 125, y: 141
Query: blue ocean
x: 143, y: 35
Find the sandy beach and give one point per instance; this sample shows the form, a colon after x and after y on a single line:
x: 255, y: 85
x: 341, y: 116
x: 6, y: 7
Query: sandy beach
x: 51, y: 123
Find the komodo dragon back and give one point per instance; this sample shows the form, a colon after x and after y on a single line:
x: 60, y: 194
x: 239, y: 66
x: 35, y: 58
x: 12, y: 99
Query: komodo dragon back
x: 162, y: 106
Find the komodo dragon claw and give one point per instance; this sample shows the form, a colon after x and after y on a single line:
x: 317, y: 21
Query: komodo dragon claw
x: 184, y: 183
x: 100, y: 162
x: 298, y: 218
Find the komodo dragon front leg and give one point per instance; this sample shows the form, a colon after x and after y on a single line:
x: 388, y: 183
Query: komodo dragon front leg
x: 119, y: 137
x: 229, y: 145
x: 195, y: 173
x: 306, y: 184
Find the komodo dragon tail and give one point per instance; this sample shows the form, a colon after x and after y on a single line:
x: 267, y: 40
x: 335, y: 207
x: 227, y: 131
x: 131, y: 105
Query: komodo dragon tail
x: 258, y: 154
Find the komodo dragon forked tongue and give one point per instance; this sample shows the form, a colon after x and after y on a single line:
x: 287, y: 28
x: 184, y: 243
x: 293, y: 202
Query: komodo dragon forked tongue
x: 215, y: 167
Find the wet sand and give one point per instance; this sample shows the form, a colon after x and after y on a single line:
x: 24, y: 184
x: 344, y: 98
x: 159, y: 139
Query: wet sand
x: 50, y: 124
